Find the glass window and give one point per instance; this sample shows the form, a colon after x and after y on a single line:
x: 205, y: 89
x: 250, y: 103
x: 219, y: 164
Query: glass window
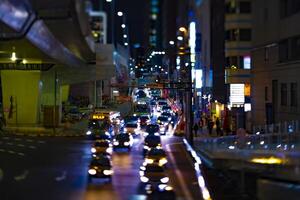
x: 289, y: 7
x: 294, y: 94
x: 283, y: 51
x: 283, y: 93
x: 245, y: 34
x: 231, y: 7
x: 245, y: 7
x: 295, y: 51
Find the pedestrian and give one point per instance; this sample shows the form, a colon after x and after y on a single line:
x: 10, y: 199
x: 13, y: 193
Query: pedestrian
x: 210, y: 125
x: 196, y: 128
x: 201, y: 124
x: 218, y: 127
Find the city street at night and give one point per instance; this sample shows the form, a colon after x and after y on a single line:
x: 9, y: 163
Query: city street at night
x: 149, y: 100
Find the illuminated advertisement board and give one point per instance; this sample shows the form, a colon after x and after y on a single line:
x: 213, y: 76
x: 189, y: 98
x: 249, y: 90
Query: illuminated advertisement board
x: 237, y: 93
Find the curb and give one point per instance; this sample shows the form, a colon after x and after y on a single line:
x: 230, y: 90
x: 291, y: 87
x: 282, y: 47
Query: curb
x: 197, y: 163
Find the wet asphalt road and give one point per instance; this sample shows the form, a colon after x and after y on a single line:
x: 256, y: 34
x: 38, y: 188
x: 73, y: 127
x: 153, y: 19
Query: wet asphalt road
x: 56, y: 168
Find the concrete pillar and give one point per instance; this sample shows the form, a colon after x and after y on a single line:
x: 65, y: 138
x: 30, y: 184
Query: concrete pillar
x: 50, y: 97
x: 20, y: 91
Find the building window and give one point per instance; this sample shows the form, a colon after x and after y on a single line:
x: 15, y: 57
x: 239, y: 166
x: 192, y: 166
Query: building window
x: 231, y: 7
x: 295, y: 50
x: 232, y: 61
x: 238, y: 35
x: 283, y: 51
x: 294, y: 94
x: 289, y: 7
x: 245, y: 7
x: 266, y: 94
x: 283, y: 94
x: 245, y: 34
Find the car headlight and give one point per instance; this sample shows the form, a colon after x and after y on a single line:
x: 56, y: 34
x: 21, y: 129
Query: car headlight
x: 125, y: 129
x: 146, y: 148
x: 162, y: 187
x: 142, y: 173
x: 107, y: 133
x: 142, y: 168
x: 164, y: 180
x: 156, y: 134
x: 149, y: 161
x: 109, y: 150
x: 116, y: 143
x: 88, y: 132
x: 158, y: 121
x: 168, y: 188
x: 93, y: 150
x: 126, y: 143
x: 162, y: 161
x: 92, y: 171
x: 144, y: 179
x: 108, y: 172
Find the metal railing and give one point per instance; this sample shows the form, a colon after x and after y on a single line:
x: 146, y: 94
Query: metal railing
x: 276, y: 137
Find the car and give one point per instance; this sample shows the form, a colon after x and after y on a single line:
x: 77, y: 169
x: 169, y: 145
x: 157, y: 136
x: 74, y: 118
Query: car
x: 167, y: 114
x: 131, y: 128
x: 163, y: 123
x: 151, y: 141
x: 100, y: 167
x: 152, y: 129
x: 161, y: 192
x: 131, y: 119
x: 156, y: 156
x: 101, y: 146
x: 153, y: 174
x: 100, y: 154
x: 98, y: 134
x: 140, y: 94
x: 166, y: 109
x: 144, y: 120
x: 74, y: 114
x: 123, y: 140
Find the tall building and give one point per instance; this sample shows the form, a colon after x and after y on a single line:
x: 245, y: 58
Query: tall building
x: 275, y: 58
x: 238, y: 36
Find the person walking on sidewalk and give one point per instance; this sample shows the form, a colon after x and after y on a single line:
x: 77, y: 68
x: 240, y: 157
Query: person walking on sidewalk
x: 210, y: 125
x: 218, y: 127
x: 196, y: 128
x: 201, y: 125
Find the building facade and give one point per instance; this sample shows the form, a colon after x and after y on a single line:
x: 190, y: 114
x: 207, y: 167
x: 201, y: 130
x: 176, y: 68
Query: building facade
x: 276, y: 56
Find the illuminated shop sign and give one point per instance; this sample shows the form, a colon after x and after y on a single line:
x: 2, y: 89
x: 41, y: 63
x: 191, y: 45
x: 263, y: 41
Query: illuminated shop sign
x: 237, y: 93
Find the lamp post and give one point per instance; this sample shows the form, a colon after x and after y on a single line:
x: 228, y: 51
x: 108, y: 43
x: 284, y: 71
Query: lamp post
x: 185, y: 53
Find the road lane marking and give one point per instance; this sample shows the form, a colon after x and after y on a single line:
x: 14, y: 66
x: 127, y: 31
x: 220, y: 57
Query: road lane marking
x: 22, y: 176
x: 179, y: 175
x: 41, y: 142
x: 32, y: 147
x: 21, y: 154
x: 5, y: 138
x: 2, y: 150
x: 62, y: 177
x: 11, y: 152
x: 28, y: 140
x: 17, y: 139
x: 21, y: 145
x: 9, y: 143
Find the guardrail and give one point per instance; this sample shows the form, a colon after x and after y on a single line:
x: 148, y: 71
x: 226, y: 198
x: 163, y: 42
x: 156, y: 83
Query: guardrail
x: 258, y: 141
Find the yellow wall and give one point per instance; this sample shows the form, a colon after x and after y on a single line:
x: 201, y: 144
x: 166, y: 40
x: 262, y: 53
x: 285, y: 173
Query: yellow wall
x: 65, y: 93
x: 24, y: 87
